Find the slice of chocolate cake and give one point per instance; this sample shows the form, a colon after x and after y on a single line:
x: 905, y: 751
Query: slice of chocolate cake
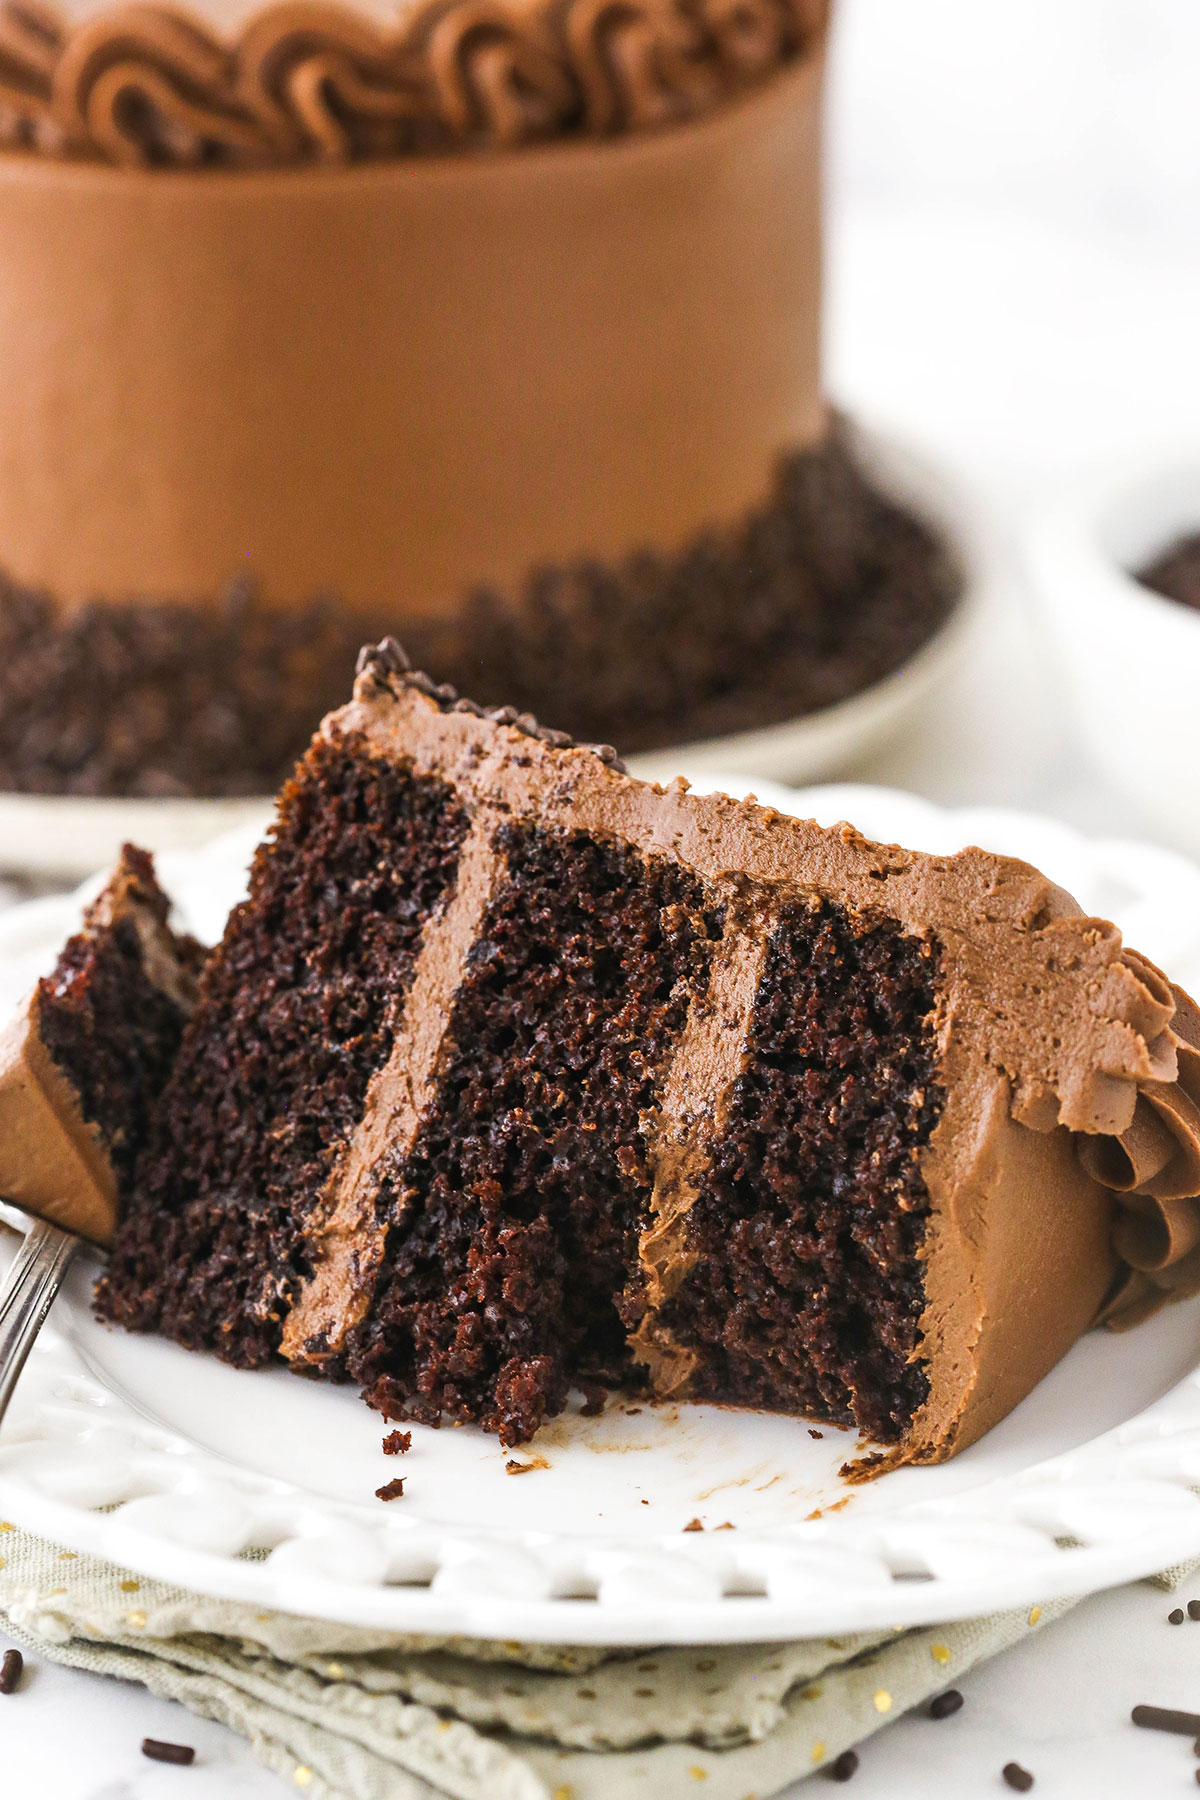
x: 514, y: 1072
x: 84, y: 1063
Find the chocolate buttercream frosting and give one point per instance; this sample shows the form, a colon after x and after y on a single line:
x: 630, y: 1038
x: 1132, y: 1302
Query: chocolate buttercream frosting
x: 303, y: 80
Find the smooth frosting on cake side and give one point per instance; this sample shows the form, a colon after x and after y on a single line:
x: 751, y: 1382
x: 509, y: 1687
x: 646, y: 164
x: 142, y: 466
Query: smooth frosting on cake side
x: 396, y: 381
x: 1057, y: 1171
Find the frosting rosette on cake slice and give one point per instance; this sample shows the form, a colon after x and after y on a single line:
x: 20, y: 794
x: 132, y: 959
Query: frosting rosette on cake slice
x: 514, y: 1073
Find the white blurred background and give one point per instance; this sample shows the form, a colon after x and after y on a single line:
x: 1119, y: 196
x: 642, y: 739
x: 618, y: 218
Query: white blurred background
x: 1015, y: 210
x: 1080, y: 113
x: 1014, y: 278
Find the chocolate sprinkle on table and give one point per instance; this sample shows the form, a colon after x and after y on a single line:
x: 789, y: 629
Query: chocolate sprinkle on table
x: 1017, y: 1777
x: 1166, y: 1718
x: 1193, y: 1609
x: 1176, y: 1616
x: 168, y: 1753
x: 843, y: 1767
x: 397, y: 1442
x: 943, y: 1705
x: 391, y: 1490
x: 10, y: 1671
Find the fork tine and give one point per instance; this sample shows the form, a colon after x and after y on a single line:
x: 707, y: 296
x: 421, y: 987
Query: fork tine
x: 26, y: 1297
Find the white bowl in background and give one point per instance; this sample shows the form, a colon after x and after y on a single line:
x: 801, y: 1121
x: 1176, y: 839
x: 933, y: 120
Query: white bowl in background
x: 1130, y: 656
x: 64, y: 837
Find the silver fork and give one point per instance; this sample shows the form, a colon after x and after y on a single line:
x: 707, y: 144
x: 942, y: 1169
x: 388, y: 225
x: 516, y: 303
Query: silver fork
x: 27, y: 1295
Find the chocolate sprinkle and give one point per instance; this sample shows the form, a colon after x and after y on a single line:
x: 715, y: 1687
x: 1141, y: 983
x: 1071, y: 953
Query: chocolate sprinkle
x: 1176, y: 1616
x: 142, y: 697
x: 391, y: 1490
x: 1193, y: 1609
x: 1166, y: 1718
x: 167, y: 1753
x: 1017, y: 1777
x: 943, y: 1705
x: 397, y: 1442
x: 10, y: 1671
x: 388, y: 662
x: 843, y: 1767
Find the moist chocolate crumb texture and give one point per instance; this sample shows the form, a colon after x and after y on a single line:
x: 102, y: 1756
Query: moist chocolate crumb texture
x: 84, y: 1063
x: 513, y: 1073
x: 493, y: 323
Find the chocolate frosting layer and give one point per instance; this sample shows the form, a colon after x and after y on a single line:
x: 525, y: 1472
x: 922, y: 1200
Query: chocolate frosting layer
x: 308, y: 81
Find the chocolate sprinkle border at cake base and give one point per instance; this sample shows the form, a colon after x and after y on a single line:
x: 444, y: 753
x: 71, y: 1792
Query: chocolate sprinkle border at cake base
x: 819, y: 593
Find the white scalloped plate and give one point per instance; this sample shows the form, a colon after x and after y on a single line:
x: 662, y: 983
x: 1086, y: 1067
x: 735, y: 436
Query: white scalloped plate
x: 260, y: 1486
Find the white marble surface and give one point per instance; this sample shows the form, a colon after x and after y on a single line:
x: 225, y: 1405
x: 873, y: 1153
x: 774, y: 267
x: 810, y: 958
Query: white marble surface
x: 1015, y: 275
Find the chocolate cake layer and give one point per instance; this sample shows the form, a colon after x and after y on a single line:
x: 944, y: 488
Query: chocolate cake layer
x: 657, y: 1087
x: 825, y: 589
x: 297, y: 1012
x: 83, y: 1066
x: 804, y: 1290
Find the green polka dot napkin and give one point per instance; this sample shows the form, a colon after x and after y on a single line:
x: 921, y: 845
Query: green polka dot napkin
x: 347, y: 1714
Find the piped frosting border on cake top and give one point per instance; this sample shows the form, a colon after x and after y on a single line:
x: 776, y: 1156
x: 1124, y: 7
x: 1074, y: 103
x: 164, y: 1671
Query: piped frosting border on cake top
x: 304, y: 81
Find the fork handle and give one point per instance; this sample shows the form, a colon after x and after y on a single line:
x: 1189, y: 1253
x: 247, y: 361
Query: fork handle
x: 28, y: 1292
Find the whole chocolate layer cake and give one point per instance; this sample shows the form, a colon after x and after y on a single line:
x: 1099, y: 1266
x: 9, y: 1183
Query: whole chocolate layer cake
x: 513, y: 1072
x: 494, y: 323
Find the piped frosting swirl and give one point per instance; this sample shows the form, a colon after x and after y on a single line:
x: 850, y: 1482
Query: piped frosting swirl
x: 304, y: 81
x: 1153, y: 1164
